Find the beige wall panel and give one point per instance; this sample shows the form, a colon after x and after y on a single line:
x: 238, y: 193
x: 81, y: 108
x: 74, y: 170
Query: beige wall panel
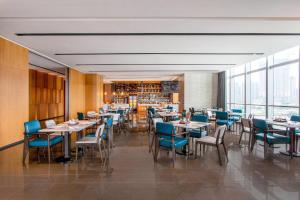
x: 14, y: 89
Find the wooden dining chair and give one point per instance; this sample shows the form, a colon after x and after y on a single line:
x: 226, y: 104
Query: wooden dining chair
x: 246, y: 128
x: 216, y: 141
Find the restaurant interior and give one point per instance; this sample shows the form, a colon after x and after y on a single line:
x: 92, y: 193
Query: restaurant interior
x: 149, y: 100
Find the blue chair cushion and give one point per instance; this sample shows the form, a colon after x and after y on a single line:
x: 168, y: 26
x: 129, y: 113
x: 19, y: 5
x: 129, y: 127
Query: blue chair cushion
x: 197, y: 133
x: 104, y: 135
x: 235, y: 118
x: 90, y: 135
x: 297, y: 132
x: 273, y: 138
x: 43, y: 142
x: 221, y: 122
x: 32, y: 127
x: 178, y: 142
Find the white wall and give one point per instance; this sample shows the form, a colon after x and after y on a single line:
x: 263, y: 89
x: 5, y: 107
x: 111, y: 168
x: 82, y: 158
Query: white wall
x: 200, y: 89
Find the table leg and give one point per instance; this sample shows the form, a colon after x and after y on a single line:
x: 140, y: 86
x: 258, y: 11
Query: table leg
x: 108, y: 170
x: 67, y: 144
x: 291, y: 150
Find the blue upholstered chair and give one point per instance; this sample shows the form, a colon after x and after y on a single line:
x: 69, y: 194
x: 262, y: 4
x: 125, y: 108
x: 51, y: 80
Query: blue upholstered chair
x: 198, y: 133
x: 166, y: 139
x: 80, y: 116
x: 238, y: 113
x: 223, y: 119
x: 33, y: 139
x: 296, y: 118
x: 262, y: 132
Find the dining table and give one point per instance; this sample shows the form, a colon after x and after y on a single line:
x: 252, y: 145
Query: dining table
x: 168, y: 115
x: 291, y: 126
x: 66, y: 129
x: 190, y: 125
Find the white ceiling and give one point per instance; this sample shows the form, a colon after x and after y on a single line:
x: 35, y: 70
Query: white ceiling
x: 238, y: 18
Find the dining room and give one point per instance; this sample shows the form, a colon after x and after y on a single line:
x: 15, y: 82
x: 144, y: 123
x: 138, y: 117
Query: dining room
x: 149, y: 100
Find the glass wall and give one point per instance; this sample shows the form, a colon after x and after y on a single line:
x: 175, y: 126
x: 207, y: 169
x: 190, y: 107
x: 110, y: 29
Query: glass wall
x: 266, y: 87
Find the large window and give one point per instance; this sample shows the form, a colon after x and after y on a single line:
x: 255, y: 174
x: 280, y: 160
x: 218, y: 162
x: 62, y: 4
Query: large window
x: 266, y: 87
x: 283, y: 93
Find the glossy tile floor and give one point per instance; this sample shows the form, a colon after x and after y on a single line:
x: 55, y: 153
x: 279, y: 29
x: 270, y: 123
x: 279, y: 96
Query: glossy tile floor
x: 135, y: 176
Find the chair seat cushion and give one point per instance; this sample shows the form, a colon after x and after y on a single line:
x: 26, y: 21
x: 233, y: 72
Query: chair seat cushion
x: 87, y: 140
x: 197, y: 133
x: 273, y: 138
x: 208, y: 140
x: 221, y: 122
x: 43, y: 142
x: 90, y: 135
x: 297, y: 132
x: 178, y: 143
x: 235, y: 118
x: 104, y: 136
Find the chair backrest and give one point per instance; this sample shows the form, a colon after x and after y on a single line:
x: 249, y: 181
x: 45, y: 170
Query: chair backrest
x: 237, y: 110
x: 50, y: 123
x: 220, y: 133
x: 32, y: 127
x: 163, y: 128
x: 192, y: 110
x: 121, y: 112
x: 246, y: 123
x: 295, y: 118
x: 260, y: 124
x: 183, y: 114
x: 200, y: 118
x: 250, y: 116
x: 155, y: 120
x: 221, y: 115
x: 151, y: 110
x: 80, y: 116
x: 99, y: 131
x: 109, y: 122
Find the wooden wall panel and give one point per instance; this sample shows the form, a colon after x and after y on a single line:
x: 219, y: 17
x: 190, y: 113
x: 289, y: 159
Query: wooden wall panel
x: 93, y: 92
x: 108, y: 90
x: 77, y: 93
x: 43, y: 92
x: 14, y: 86
x: 86, y: 92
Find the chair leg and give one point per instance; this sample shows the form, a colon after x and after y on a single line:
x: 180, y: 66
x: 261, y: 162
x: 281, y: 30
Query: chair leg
x: 200, y: 149
x: 100, y: 151
x: 76, y: 152
x: 196, y: 148
x: 173, y: 156
x: 253, y: 140
x: 152, y: 142
x: 49, y: 153
x: 219, y: 155
x: 38, y: 154
x: 225, y: 150
x: 241, y: 137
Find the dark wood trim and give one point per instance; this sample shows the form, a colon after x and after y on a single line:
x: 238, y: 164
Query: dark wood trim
x: 11, y: 145
x: 46, y: 68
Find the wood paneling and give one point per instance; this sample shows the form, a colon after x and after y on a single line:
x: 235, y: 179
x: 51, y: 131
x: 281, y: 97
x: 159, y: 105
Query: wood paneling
x: 108, y: 93
x: 46, y: 95
x: 93, y: 92
x: 77, y: 93
x: 14, y: 87
x: 86, y: 92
